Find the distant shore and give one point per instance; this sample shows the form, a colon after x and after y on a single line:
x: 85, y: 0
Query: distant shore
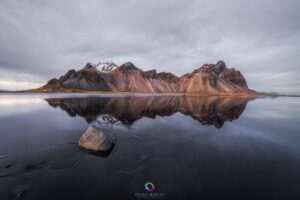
x: 138, y: 93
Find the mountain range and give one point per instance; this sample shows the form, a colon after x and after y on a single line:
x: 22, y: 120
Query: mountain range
x: 108, y: 77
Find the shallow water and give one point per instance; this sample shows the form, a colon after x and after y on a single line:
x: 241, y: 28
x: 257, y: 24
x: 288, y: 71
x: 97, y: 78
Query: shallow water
x: 188, y: 147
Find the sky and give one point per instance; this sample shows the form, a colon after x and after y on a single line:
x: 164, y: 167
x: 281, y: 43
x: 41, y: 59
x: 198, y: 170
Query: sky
x: 42, y: 39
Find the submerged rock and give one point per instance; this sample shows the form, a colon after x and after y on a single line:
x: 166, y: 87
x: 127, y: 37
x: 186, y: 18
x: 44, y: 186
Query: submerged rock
x: 96, y: 140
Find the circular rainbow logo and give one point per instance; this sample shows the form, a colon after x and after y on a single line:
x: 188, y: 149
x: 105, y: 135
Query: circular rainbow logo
x: 149, y: 187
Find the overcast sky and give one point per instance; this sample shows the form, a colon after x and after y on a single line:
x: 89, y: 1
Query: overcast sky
x: 42, y: 39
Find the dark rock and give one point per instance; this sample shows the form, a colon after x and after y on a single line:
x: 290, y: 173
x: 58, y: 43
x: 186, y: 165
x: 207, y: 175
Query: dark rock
x: 128, y: 68
x: 167, y: 76
x: 96, y: 140
x: 89, y: 66
x: 235, y: 77
x: 219, y: 67
x: 150, y: 74
x: 52, y: 81
x: 70, y: 74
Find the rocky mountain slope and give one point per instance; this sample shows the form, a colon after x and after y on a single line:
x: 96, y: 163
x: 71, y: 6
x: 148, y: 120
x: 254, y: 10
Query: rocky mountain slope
x: 210, y: 78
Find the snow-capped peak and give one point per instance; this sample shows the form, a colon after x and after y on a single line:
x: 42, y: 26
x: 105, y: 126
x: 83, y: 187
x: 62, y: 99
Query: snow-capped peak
x: 105, y: 66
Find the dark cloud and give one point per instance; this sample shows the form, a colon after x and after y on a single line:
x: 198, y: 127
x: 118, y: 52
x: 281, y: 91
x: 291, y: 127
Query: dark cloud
x: 42, y: 39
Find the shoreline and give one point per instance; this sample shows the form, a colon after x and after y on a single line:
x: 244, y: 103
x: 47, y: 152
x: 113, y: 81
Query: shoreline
x: 142, y: 93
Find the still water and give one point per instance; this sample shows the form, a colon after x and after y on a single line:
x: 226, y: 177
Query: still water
x: 187, y: 147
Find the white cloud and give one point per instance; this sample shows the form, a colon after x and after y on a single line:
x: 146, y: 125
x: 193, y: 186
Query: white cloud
x: 44, y: 39
x: 13, y: 85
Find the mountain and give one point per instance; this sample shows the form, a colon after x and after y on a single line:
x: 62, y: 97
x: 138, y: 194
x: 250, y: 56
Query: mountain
x: 104, y: 67
x: 212, y: 78
x: 108, y: 77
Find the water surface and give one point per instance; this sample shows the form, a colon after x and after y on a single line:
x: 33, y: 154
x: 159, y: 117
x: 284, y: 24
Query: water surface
x: 188, y: 147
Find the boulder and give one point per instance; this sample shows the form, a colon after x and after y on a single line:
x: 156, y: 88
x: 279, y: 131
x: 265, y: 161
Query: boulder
x: 96, y: 140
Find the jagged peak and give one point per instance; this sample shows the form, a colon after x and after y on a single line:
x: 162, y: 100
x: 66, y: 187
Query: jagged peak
x: 219, y: 67
x: 151, y: 71
x: 89, y: 66
x: 129, y: 64
x: 103, y: 67
x: 106, y: 66
x: 128, y: 67
x: 221, y: 63
x: 167, y: 76
x: 216, y: 68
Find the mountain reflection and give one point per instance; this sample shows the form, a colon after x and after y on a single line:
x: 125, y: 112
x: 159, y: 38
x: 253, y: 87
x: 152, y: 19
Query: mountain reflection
x: 206, y: 110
